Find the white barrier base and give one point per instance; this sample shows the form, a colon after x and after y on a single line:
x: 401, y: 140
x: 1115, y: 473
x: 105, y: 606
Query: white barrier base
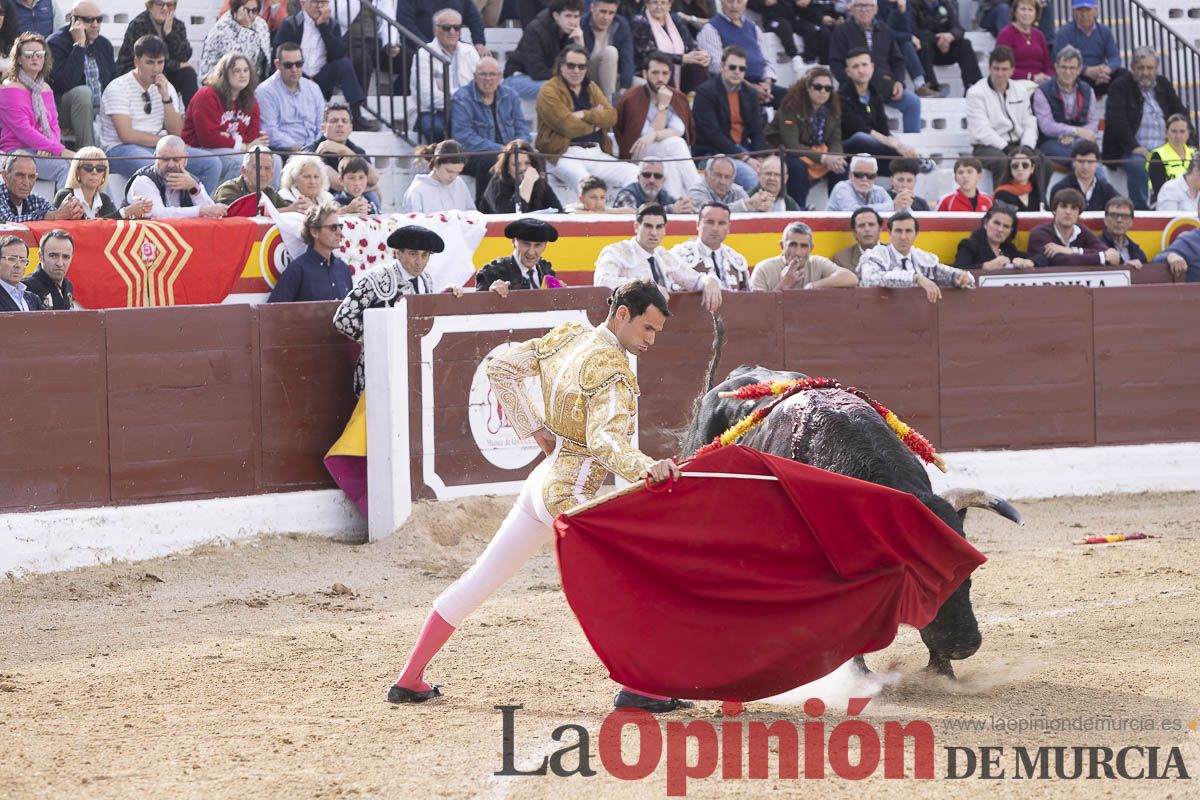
x: 46, y: 541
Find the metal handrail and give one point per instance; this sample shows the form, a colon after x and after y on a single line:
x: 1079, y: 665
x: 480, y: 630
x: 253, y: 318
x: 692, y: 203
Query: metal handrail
x: 1134, y: 25
x: 399, y: 74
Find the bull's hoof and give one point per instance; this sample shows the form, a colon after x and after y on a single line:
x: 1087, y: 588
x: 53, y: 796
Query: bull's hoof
x: 860, y: 664
x: 941, y: 666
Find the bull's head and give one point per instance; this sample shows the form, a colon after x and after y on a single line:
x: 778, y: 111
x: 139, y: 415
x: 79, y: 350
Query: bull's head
x: 954, y: 632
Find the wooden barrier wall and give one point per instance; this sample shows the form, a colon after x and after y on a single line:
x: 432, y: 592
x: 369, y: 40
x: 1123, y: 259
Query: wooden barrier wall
x: 144, y: 405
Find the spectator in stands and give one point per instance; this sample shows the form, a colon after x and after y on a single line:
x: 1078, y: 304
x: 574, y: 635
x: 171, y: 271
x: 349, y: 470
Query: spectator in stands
x: 1096, y: 43
x: 291, y: 106
x: 442, y: 188
x: 486, y: 114
x: 28, y: 111
x: 273, y: 12
x: 427, y: 98
x: 334, y: 144
x: 648, y: 188
x: 999, y: 115
x: 1135, y: 120
x: 657, y: 31
x: 865, y: 224
x: 899, y: 264
x: 593, y: 198
x: 18, y: 203
x: 9, y: 30
x: 574, y: 120
x: 696, y: 13
x: 325, y: 58
x: 1085, y: 159
x: 535, y: 61
x: 1031, y: 55
x: 82, y: 65
x: 993, y: 15
x: 518, y: 183
x: 417, y: 16
x: 354, y: 171
x: 242, y: 30
x: 138, y: 106
x: 1181, y: 194
x: 809, y: 119
x: 1064, y: 243
x: 797, y: 267
x: 904, y: 186
x: 967, y: 197
x: 719, y: 187
x: 780, y: 19
x: 224, y: 116
x: 317, y: 274
x: 727, y: 117
x: 655, y: 121
x: 1118, y: 219
x: 49, y: 281
x: 1182, y: 256
x: 525, y: 268
x: 259, y: 178
x: 709, y: 254
x: 1171, y: 160
x: 860, y: 189
x: 1065, y: 107
x: 864, y: 119
x: 990, y: 246
x: 14, y: 258
x: 771, y: 180
x: 372, y: 42
x: 943, y: 41
x: 304, y: 178
x: 172, y: 191
x: 883, y: 50
x: 159, y: 20
x: 644, y: 258
x: 729, y: 28
x: 609, y: 42
x: 1019, y: 185
x: 85, y: 182
x: 35, y: 16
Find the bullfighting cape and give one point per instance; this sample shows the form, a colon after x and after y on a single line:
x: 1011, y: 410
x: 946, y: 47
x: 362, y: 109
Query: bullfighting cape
x: 739, y: 589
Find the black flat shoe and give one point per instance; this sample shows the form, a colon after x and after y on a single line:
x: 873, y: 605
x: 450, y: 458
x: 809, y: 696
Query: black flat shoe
x: 627, y: 699
x: 398, y: 694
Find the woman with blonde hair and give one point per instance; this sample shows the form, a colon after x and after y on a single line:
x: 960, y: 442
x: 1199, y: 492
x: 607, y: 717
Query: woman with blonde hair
x: 304, y: 176
x: 86, y: 178
x: 224, y: 116
x: 30, y: 118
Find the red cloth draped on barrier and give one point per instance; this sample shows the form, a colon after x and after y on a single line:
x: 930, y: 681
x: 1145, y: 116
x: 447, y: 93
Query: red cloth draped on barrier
x: 121, y: 264
x: 736, y: 589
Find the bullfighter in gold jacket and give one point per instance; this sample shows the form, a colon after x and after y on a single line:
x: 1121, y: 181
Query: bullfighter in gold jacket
x: 590, y: 399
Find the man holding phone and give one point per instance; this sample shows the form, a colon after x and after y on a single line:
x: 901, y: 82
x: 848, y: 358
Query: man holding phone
x: 83, y: 64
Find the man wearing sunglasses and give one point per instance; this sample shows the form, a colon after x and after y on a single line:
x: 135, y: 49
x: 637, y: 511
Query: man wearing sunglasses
x: 427, y: 100
x: 728, y: 117
x: 648, y: 188
x: 82, y: 66
x: 318, y: 274
x: 860, y: 189
x: 291, y: 106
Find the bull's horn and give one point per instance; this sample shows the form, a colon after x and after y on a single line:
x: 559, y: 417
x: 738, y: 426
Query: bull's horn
x: 962, y: 499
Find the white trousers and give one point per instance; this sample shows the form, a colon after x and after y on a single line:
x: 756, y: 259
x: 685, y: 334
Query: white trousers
x: 527, y: 527
x: 679, y: 175
x: 617, y: 174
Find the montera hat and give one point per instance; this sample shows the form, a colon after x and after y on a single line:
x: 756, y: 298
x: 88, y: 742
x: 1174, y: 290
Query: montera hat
x: 414, y: 237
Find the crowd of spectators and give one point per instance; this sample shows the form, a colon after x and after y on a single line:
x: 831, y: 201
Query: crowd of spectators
x: 643, y: 109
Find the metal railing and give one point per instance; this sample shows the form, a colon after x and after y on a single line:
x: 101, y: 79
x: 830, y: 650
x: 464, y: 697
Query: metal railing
x: 392, y: 98
x: 1135, y: 25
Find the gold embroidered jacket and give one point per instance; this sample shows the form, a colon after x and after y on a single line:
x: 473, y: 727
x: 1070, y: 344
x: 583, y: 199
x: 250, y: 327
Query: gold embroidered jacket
x: 590, y: 397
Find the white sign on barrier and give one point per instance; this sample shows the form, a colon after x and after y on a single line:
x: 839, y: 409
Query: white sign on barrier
x: 1105, y: 278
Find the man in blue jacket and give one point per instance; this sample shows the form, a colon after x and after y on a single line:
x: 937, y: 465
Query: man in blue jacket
x: 326, y: 56
x: 609, y: 39
x: 486, y: 115
x: 712, y: 112
x: 83, y: 65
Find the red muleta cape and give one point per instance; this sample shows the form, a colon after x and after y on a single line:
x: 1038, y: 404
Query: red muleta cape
x: 734, y: 589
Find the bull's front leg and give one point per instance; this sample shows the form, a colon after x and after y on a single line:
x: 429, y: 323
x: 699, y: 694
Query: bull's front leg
x: 940, y: 665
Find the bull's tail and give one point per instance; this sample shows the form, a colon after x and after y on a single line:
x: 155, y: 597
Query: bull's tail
x: 718, y: 343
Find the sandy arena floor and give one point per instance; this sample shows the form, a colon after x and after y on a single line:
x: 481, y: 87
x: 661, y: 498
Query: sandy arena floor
x: 242, y: 672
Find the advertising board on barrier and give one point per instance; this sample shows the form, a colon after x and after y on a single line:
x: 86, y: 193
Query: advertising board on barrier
x: 1098, y: 279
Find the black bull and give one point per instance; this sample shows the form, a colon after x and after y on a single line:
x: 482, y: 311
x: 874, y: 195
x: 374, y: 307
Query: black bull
x: 837, y: 431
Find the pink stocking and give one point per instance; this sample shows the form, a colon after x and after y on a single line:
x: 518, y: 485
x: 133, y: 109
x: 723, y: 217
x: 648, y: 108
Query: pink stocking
x: 644, y: 694
x: 434, y: 634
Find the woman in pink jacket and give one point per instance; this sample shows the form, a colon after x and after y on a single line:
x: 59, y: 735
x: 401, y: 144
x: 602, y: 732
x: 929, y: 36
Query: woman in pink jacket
x: 29, y: 117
